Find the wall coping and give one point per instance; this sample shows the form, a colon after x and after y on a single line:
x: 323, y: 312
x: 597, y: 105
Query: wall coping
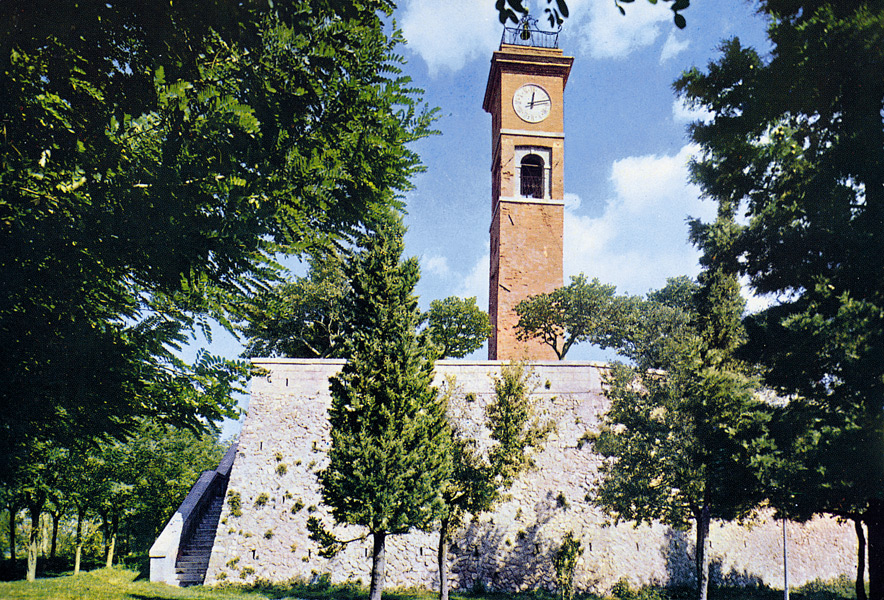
x: 580, y: 364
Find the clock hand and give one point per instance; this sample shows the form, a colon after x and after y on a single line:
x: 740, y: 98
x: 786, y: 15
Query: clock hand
x: 531, y: 104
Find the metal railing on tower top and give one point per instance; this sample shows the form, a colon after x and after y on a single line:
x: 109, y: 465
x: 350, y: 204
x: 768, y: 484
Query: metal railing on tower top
x: 527, y: 33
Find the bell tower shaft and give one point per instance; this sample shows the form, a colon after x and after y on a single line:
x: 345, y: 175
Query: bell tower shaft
x: 524, y: 96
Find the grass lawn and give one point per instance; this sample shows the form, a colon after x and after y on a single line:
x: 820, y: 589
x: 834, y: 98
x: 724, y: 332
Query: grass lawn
x: 124, y: 584
x: 112, y: 584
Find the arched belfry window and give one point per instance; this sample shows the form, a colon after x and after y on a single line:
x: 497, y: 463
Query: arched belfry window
x: 533, y: 171
x: 531, y: 177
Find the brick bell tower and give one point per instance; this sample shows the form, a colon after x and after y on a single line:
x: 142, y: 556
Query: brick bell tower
x: 524, y: 95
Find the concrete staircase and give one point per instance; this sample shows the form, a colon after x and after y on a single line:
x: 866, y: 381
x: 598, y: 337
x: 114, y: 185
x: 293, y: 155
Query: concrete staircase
x: 190, y: 568
x: 180, y: 555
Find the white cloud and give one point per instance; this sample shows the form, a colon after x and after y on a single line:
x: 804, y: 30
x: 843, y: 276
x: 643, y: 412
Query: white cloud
x: 641, y: 238
x: 673, y: 46
x: 475, y: 283
x: 682, y: 113
x: 448, y: 34
x: 605, y: 33
x: 435, y: 264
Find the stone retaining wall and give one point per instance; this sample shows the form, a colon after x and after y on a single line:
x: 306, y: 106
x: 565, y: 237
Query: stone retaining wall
x: 285, y: 437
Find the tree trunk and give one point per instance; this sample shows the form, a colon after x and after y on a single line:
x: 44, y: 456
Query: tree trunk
x: 875, y: 522
x: 12, y: 515
x: 111, y: 540
x: 443, y: 558
x: 56, y: 517
x: 110, y: 551
x: 701, y: 556
x: 378, y: 562
x: 79, y: 550
x: 33, y: 539
x: 860, y: 559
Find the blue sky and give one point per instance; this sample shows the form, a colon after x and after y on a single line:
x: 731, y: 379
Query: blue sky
x: 626, y: 149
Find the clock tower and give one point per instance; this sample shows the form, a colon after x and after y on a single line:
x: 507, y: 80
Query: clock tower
x: 524, y: 95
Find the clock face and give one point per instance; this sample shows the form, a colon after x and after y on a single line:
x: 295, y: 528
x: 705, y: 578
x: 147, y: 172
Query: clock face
x: 532, y: 103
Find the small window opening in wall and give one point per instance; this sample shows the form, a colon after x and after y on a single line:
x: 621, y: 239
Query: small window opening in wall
x: 260, y: 445
x: 531, y: 184
x: 253, y: 555
x: 286, y: 382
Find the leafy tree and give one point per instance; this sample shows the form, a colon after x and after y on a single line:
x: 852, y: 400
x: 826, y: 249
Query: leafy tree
x: 164, y: 462
x: 11, y: 503
x: 37, y: 479
x: 307, y: 317
x: 578, y: 312
x: 509, y: 10
x: 678, y: 442
x: 457, y: 326
x: 565, y: 564
x: 389, y: 444
x: 478, y: 481
x: 304, y: 317
x: 796, y: 142
x: 111, y: 491
x: 154, y: 158
x: 74, y: 487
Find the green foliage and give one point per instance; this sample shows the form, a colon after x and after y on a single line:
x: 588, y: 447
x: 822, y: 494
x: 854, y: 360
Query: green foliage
x: 304, y: 317
x: 565, y: 563
x: 282, y: 469
x: 389, y: 444
x: 840, y: 587
x: 234, y: 501
x: 135, y: 484
x: 680, y: 444
x: 515, y: 427
x: 798, y: 151
x: 308, y: 317
x: 509, y: 10
x: 329, y: 545
x: 156, y: 156
x: 456, y: 326
x: 477, y: 481
x: 622, y: 591
x: 161, y: 463
x: 262, y: 499
x: 122, y: 584
x: 578, y: 312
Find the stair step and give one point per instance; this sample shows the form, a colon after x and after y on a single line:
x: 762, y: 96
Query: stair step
x: 190, y: 568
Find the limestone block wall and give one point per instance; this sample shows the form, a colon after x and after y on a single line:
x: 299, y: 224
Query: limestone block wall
x: 273, y: 490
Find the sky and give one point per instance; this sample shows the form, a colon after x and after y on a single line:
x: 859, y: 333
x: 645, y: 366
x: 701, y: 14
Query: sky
x: 627, y: 195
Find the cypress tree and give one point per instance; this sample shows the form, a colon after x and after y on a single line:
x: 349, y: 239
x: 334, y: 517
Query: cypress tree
x: 389, y: 440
